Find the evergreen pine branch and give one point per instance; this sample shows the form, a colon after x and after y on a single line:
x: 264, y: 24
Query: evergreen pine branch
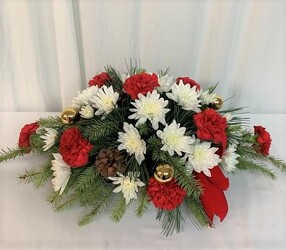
x: 142, y: 203
x: 100, y: 129
x: 101, y: 204
x: 38, y: 177
x: 277, y: 162
x: 201, y: 219
x: 171, y: 221
x: 252, y: 166
x: 119, y: 210
x: 55, y: 198
x: 85, y: 179
x: 248, y: 152
x: 50, y: 122
x: 10, y: 154
x: 68, y: 203
x: 185, y: 178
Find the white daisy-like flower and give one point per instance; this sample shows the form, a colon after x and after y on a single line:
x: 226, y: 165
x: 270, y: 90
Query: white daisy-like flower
x: 61, y: 173
x: 150, y: 107
x: 128, y: 185
x: 49, y: 138
x: 202, y: 158
x: 166, y: 82
x: 207, y: 97
x: 131, y: 142
x: 105, y: 100
x: 229, y: 158
x: 186, y: 96
x: 84, y: 97
x: 86, y: 111
x: 174, y: 139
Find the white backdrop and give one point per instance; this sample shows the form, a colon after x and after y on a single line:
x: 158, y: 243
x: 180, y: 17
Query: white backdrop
x: 49, y: 49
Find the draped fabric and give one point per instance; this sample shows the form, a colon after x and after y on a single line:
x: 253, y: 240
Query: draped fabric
x: 49, y: 49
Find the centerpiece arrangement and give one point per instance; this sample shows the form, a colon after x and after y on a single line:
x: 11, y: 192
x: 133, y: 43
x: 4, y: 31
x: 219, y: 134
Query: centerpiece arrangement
x: 146, y: 138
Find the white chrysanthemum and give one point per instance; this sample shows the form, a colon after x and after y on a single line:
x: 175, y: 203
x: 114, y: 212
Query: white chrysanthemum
x: 128, y: 185
x: 207, y: 97
x: 186, y: 96
x: 131, y: 142
x: 105, y: 100
x: 202, y: 158
x: 166, y: 82
x: 150, y: 107
x: 86, y: 111
x: 229, y: 158
x: 84, y: 97
x: 174, y: 140
x: 61, y: 173
x: 49, y: 138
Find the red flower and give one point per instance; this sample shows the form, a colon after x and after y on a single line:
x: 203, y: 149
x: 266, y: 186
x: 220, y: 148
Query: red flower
x: 263, y: 139
x: 211, y: 126
x: 140, y: 84
x: 99, y: 80
x: 167, y: 195
x: 74, y: 148
x: 188, y: 80
x: 25, y: 134
x: 213, y: 198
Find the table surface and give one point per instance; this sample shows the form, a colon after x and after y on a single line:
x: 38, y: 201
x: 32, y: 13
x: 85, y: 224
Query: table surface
x: 256, y: 217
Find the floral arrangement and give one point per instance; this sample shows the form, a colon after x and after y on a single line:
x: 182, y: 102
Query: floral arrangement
x: 145, y: 138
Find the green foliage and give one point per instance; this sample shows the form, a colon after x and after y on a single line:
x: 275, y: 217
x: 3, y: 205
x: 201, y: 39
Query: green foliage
x: 171, y: 221
x: 248, y: 152
x: 100, y: 204
x: 201, y: 219
x: 119, y: 209
x: 142, y: 203
x: 101, y: 128
x: 254, y: 167
x: 10, y: 154
x: 116, y: 78
x: 38, y: 177
x: 50, y: 122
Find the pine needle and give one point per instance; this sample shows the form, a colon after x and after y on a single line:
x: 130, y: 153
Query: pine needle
x: 142, y: 203
x: 11, y: 154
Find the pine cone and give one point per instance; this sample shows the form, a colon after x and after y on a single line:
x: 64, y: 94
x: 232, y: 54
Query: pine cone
x: 108, y: 162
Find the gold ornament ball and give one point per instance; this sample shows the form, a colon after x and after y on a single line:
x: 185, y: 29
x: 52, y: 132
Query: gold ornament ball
x: 164, y: 173
x: 69, y: 115
x: 217, y: 104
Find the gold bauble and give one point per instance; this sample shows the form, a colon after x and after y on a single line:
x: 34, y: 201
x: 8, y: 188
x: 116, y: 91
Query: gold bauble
x: 217, y: 104
x: 69, y: 115
x: 164, y: 173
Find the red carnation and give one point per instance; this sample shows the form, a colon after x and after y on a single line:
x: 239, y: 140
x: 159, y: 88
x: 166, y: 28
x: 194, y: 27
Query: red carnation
x: 188, y: 80
x: 25, y: 134
x: 74, y: 148
x: 167, y: 195
x: 211, y: 126
x: 213, y: 198
x: 263, y: 139
x: 140, y: 84
x: 99, y: 80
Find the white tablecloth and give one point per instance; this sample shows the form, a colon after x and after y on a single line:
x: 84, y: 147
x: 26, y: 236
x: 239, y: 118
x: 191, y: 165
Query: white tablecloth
x: 256, y: 217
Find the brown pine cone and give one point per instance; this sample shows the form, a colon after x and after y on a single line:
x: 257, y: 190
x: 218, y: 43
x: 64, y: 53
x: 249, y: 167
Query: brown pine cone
x: 108, y: 162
